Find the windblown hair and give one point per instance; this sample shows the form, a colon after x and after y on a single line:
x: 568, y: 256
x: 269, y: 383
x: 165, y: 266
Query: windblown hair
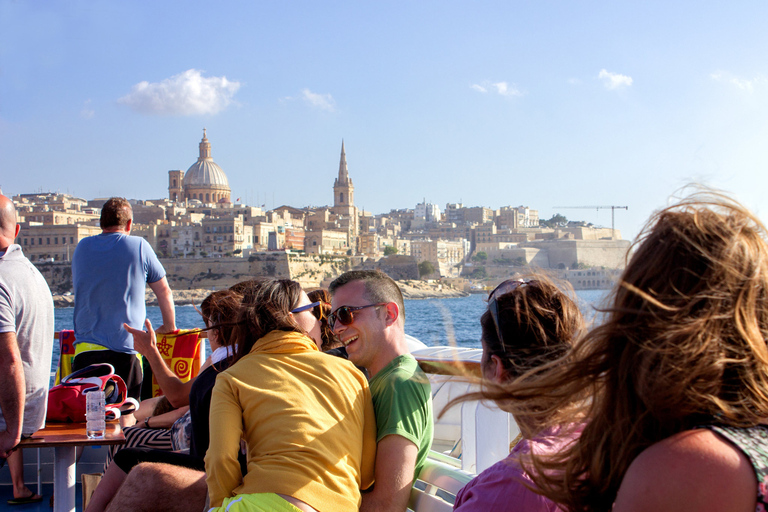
x: 329, y: 339
x: 538, y: 321
x: 266, y: 307
x: 379, y: 287
x: 683, y: 344
x: 116, y: 212
x: 220, y: 311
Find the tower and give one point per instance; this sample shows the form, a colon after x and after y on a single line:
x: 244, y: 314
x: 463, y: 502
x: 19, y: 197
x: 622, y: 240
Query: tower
x: 344, y: 203
x: 176, y: 186
x: 343, y: 189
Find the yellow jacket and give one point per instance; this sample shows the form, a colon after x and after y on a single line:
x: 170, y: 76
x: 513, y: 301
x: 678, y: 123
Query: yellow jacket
x: 307, y: 418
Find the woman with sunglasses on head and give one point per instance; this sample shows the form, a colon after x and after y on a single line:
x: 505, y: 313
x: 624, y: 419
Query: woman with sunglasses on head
x: 673, y: 386
x: 307, y: 418
x: 528, y: 323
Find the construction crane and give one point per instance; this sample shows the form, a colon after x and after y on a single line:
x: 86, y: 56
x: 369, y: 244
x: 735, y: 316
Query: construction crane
x: 613, y: 209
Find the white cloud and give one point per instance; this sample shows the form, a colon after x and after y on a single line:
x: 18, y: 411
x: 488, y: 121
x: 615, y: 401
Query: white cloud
x: 501, y: 88
x: 321, y: 101
x: 744, y: 84
x: 574, y: 81
x: 87, y: 112
x: 185, y: 94
x: 614, y: 80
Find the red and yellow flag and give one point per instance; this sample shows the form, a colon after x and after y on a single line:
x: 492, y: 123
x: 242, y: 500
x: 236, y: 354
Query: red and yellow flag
x: 181, y: 353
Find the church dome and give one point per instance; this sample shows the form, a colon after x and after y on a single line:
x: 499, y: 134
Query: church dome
x: 205, y: 172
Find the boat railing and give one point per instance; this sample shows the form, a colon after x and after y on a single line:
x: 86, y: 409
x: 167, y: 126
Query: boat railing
x: 477, y: 434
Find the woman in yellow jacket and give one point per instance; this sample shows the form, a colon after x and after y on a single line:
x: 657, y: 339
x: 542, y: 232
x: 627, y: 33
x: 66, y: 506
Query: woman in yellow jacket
x: 307, y: 417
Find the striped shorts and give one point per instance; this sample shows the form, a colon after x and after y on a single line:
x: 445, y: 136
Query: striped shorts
x: 139, y: 437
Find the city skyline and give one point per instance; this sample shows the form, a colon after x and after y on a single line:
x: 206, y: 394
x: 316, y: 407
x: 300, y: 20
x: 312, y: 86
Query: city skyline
x: 494, y: 104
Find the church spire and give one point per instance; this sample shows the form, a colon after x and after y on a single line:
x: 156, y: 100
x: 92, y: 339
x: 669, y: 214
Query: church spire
x: 205, y: 148
x: 343, y: 172
x: 343, y: 189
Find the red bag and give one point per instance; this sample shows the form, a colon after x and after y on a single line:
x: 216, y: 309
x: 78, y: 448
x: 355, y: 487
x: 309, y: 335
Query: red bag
x: 66, y: 402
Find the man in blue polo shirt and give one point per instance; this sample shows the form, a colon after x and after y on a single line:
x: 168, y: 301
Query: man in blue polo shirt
x: 109, y: 272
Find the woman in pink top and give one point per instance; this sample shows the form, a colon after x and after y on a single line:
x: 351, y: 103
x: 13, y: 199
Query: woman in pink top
x: 528, y: 323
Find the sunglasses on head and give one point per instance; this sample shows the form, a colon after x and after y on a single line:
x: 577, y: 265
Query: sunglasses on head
x: 346, y: 315
x: 505, y: 287
x: 305, y: 307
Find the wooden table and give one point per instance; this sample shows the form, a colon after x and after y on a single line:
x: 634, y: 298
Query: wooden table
x: 64, y: 438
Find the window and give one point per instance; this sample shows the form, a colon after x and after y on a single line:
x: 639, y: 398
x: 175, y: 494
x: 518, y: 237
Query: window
x: 56, y: 241
x: 48, y: 241
x: 71, y: 239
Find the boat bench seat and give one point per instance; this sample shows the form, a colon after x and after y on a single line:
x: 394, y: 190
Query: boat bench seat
x: 437, y: 485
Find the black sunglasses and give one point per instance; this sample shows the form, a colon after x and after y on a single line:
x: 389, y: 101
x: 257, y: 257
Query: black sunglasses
x: 505, y: 287
x: 345, y: 314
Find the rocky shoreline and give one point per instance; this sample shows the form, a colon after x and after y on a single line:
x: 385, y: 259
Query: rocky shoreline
x: 411, y: 289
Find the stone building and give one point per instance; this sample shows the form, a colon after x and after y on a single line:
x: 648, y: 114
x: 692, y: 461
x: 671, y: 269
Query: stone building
x: 204, y: 180
x: 53, y: 242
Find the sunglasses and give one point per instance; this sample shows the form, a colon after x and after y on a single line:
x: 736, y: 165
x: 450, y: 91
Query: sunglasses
x: 305, y: 307
x: 505, y: 287
x: 346, y: 315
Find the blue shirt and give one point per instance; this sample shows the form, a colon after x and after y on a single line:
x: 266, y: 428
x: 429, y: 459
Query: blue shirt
x: 109, y: 273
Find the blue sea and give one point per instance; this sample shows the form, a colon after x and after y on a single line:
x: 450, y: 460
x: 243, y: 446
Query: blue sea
x: 433, y: 321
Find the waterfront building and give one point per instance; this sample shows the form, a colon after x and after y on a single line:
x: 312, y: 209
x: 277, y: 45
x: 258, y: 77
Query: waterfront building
x: 226, y: 236
x: 52, y: 242
x: 445, y: 256
x: 326, y: 241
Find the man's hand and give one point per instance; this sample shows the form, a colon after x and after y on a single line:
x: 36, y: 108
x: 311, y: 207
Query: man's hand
x: 165, y: 330
x: 144, y: 342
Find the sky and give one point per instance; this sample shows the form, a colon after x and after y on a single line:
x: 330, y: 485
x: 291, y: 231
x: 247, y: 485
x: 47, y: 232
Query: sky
x: 538, y: 103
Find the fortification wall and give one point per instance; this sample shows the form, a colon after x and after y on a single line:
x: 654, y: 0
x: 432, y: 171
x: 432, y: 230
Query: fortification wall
x: 593, y: 253
x: 58, y: 275
x: 315, y: 271
x: 397, y: 266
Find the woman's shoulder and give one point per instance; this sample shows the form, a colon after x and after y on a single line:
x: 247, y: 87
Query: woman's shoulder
x: 692, y: 470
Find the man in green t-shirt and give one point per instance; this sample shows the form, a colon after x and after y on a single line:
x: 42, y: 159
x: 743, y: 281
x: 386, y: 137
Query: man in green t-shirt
x: 368, y: 317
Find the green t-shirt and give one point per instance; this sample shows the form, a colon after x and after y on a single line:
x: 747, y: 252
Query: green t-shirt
x: 402, y: 400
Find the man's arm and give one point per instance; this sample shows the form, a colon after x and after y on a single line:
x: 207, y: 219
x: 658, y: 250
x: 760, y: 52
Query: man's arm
x: 145, y: 343
x: 12, y: 389
x: 165, y: 302
x: 395, y: 464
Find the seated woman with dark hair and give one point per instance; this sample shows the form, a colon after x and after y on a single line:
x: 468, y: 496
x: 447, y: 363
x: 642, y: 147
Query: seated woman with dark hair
x: 528, y: 324
x: 217, y: 307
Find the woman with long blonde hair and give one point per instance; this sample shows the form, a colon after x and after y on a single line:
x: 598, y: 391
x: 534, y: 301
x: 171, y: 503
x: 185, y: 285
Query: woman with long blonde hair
x: 672, y: 388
